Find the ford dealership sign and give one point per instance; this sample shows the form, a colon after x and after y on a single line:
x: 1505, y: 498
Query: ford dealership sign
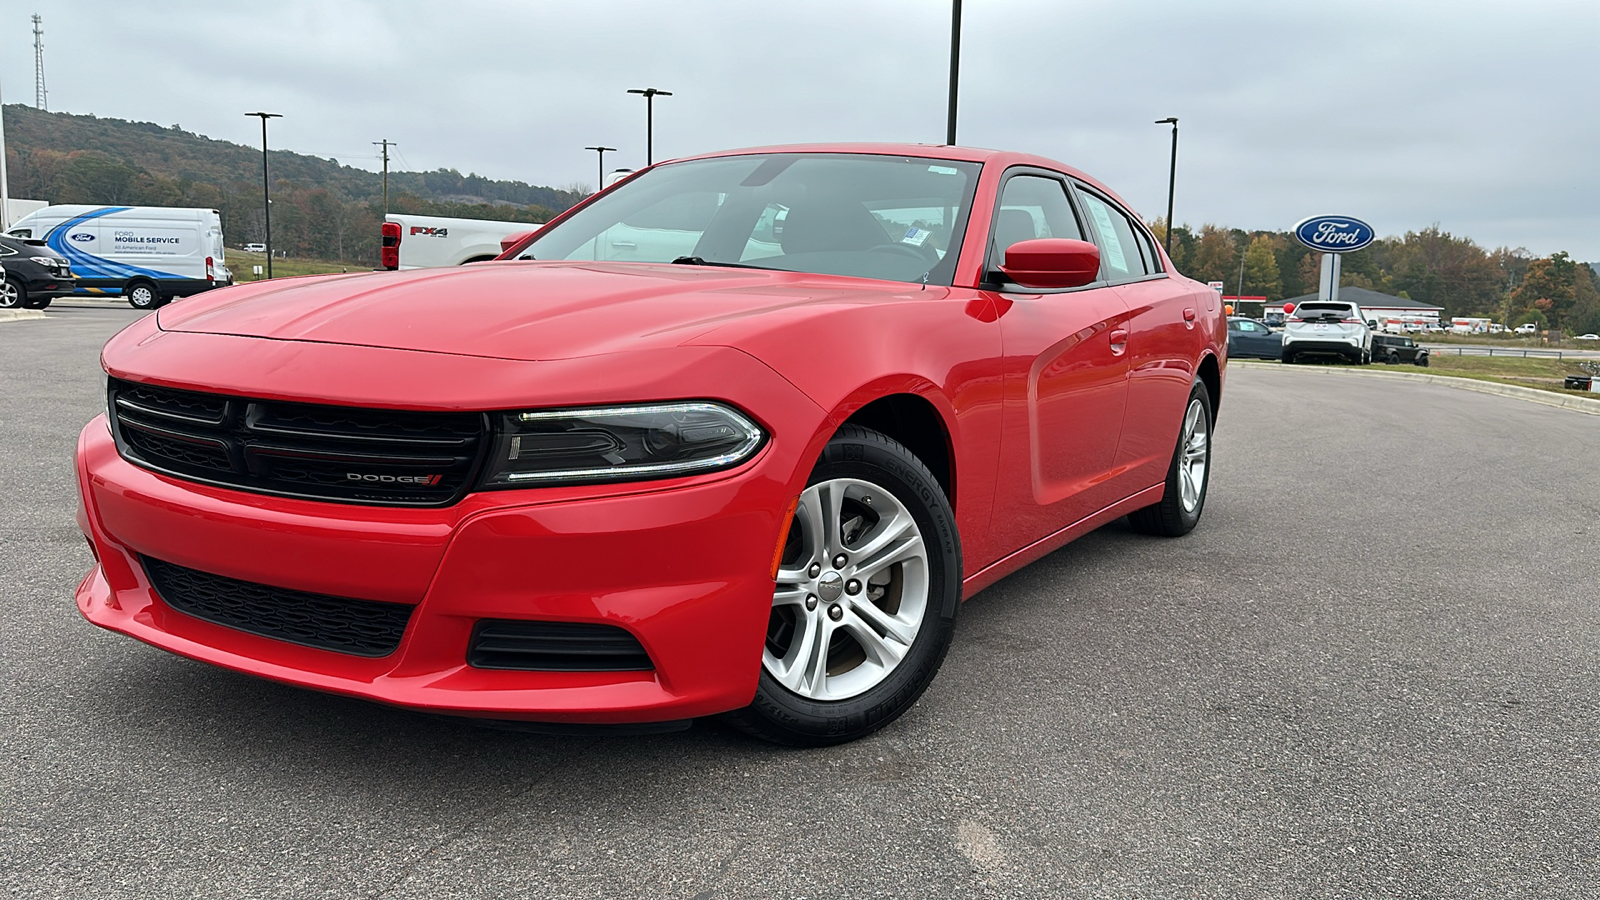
x: 1334, y: 234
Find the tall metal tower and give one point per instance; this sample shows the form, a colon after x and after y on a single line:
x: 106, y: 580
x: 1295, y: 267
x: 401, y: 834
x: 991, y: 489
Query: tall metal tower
x: 39, y: 93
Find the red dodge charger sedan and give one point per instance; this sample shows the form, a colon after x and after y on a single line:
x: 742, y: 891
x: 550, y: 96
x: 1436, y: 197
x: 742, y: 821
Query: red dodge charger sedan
x: 736, y: 435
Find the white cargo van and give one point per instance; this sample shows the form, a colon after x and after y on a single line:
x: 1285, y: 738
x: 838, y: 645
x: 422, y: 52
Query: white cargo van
x: 148, y: 254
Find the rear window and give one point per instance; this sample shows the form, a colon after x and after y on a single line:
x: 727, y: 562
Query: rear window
x: 1311, y: 311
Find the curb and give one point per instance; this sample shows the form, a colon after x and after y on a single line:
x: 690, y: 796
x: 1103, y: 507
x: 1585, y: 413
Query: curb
x: 11, y: 315
x: 1533, y: 395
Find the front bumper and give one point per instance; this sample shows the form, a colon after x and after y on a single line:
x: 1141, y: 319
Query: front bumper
x: 685, y: 567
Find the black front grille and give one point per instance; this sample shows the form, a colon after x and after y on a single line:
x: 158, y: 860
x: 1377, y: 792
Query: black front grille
x: 358, y: 627
x: 555, y: 647
x: 371, y: 456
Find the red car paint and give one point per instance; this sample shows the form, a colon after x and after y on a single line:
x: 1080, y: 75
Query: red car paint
x: 683, y: 564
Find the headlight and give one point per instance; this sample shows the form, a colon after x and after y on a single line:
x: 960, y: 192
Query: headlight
x: 48, y: 261
x: 618, y: 443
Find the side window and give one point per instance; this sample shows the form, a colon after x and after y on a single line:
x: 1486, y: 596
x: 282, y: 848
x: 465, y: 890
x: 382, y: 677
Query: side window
x: 1120, y: 256
x: 1031, y: 206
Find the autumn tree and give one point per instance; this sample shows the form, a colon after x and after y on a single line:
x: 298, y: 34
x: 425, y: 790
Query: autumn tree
x: 1261, y: 269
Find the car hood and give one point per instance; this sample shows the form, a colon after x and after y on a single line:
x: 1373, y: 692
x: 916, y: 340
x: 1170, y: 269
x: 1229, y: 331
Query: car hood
x: 511, y: 310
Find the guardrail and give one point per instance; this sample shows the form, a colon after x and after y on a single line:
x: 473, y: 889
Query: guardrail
x: 1445, y: 350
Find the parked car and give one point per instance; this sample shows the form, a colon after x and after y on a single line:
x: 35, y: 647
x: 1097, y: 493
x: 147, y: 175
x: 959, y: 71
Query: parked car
x: 146, y: 254
x: 1393, y: 349
x: 1588, y: 337
x: 255, y: 248
x: 1578, y: 382
x: 1327, y: 328
x: 1526, y: 328
x: 1248, y: 338
x: 647, y: 491
x: 33, y: 275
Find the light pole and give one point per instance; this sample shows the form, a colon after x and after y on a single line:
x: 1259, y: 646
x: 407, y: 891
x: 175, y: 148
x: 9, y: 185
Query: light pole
x: 955, y: 69
x: 650, y: 95
x: 1172, y: 177
x: 266, y: 184
x: 600, y: 185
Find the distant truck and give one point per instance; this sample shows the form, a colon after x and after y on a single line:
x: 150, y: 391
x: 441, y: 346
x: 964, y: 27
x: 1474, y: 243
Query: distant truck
x: 147, y: 254
x: 419, y: 242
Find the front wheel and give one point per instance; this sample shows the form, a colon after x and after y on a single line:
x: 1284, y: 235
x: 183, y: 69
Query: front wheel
x: 1394, y: 358
x: 1188, y: 476
x: 865, y: 603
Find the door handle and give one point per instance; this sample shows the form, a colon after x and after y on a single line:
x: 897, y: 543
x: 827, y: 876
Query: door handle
x: 1188, y: 314
x: 1119, y: 340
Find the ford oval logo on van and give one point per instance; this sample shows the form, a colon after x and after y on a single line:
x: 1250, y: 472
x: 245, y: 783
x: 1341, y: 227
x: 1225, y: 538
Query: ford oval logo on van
x: 1334, y: 234
x: 82, y: 237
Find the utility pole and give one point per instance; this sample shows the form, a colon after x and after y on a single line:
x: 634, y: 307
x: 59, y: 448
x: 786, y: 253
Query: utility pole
x: 266, y: 184
x: 40, y: 95
x: 1238, y: 300
x: 650, y: 95
x: 385, y: 144
x: 955, y: 69
x: 5, y: 184
x: 601, y: 184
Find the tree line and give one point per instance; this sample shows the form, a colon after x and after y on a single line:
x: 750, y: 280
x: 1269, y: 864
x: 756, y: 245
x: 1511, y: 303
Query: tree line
x: 1430, y: 266
x: 320, y: 208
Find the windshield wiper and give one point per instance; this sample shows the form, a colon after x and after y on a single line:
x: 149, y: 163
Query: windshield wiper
x: 702, y: 261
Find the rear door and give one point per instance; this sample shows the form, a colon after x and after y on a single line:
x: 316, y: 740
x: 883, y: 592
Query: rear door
x: 1066, y: 372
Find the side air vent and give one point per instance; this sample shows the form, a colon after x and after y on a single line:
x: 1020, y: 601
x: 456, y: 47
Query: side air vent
x: 555, y: 647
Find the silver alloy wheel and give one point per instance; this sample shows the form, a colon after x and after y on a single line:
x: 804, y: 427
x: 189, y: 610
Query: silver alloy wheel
x: 1196, y: 451
x: 9, y: 298
x: 852, y: 591
x: 142, y: 296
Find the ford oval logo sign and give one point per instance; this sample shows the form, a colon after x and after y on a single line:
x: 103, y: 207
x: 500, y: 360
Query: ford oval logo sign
x: 1334, y: 234
x: 82, y: 237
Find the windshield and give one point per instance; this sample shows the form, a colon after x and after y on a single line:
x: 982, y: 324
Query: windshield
x: 889, y: 217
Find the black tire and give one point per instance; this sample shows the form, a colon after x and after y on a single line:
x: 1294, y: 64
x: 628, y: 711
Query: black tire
x: 1289, y: 359
x: 1169, y: 517
x: 1393, y: 358
x: 142, y: 295
x: 786, y: 717
x: 13, y: 295
x: 1422, y: 361
x: 40, y: 304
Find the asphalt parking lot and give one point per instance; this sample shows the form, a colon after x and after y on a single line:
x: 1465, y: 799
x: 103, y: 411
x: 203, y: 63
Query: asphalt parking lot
x: 1371, y: 672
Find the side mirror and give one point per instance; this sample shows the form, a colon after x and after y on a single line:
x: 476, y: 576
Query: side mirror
x: 1372, y: 323
x: 1052, y: 263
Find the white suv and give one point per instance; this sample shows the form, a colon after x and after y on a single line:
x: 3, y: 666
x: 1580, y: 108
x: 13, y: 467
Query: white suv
x: 1331, y: 327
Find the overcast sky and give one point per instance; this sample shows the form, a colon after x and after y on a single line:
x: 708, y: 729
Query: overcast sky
x: 1478, y: 116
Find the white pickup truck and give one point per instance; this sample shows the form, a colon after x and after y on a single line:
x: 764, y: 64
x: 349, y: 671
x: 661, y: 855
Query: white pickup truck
x: 417, y: 242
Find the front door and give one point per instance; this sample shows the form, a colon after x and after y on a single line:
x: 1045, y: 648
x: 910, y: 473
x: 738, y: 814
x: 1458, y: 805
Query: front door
x: 1066, y: 376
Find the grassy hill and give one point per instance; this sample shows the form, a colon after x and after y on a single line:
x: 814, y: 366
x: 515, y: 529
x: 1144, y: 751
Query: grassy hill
x: 320, y: 208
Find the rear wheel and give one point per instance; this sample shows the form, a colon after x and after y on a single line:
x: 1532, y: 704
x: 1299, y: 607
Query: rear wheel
x: 142, y: 295
x: 1393, y: 358
x: 1289, y: 358
x: 12, y: 294
x: 865, y: 604
x: 1187, y: 477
